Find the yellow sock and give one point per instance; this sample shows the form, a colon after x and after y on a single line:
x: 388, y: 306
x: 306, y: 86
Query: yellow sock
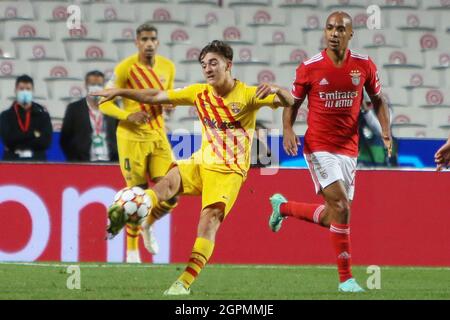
x: 201, y: 252
x: 153, y: 196
x: 160, y: 210
x: 133, y: 232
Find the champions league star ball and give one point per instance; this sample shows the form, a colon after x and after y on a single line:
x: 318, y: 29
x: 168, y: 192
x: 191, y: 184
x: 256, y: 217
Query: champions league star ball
x: 134, y: 201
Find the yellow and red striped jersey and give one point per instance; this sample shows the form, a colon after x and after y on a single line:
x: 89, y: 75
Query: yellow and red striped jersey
x: 130, y: 73
x: 228, y: 124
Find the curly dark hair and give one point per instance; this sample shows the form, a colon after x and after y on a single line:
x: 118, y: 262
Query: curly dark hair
x: 219, y: 47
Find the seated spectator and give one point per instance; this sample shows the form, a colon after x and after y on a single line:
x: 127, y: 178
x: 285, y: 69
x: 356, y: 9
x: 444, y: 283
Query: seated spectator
x: 87, y: 134
x: 25, y: 127
x: 371, y: 148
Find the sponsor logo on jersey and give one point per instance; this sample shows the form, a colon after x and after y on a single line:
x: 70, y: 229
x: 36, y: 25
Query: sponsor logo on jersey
x: 338, y: 99
x: 323, y: 82
x: 225, y: 125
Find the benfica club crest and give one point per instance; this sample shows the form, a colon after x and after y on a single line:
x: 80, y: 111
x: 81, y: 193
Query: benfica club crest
x: 356, y: 77
x: 235, y: 107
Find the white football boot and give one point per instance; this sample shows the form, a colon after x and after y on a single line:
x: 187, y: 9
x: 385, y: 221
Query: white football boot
x: 149, y: 238
x: 133, y: 256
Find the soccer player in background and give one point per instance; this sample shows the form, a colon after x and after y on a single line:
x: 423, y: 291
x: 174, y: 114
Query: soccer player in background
x: 142, y: 142
x: 442, y: 156
x: 227, y: 110
x: 333, y: 80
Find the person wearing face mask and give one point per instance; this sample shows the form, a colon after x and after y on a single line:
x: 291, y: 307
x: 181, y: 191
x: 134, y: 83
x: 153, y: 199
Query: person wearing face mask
x: 87, y: 135
x: 25, y: 128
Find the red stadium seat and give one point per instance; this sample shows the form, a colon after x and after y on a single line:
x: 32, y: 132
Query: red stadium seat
x: 12, y: 68
x: 398, y: 58
x: 332, y: 5
x: 248, y: 55
x: 239, y: 3
x: 232, y: 34
x: 26, y: 30
x: 379, y: 38
x: 7, y: 50
x: 291, y: 54
x: 428, y: 41
x: 42, y: 50
x: 396, y: 97
x: 430, y: 98
x: 306, y: 20
x: 173, y: 34
x: 436, y: 4
x: 262, y: 16
x: 396, y: 4
x: 290, y: 4
x: 107, y: 13
x: 16, y: 10
x: 56, y: 70
x: 54, y: 11
x: 412, y: 20
x: 271, y: 35
x: 68, y: 90
x: 186, y: 53
x: 161, y: 13
x: 415, y: 78
x: 437, y: 59
x: 86, y: 32
x: 119, y: 32
x: 89, y: 52
x: 206, y: 16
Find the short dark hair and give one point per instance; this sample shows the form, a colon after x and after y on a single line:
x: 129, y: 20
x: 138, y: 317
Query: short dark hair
x: 217, y: 46
x: 94, y: 73
x: 146, y: 27
x: 24, y: 79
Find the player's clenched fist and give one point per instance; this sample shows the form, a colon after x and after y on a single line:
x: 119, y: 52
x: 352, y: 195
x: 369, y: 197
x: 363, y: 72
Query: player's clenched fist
x: 139, y: 117
x: 264, y: 89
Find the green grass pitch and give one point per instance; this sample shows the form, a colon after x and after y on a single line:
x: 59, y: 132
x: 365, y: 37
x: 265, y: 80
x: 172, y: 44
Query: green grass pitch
x: 218, y: 282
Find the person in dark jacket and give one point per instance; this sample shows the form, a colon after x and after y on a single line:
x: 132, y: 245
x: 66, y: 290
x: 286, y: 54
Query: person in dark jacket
x: 25, y: 128
x: 88, y: 135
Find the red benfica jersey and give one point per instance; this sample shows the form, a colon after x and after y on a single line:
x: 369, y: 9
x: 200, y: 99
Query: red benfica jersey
x: 334, y: 100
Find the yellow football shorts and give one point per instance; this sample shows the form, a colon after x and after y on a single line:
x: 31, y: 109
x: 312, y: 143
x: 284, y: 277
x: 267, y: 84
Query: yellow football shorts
x: 214, y: 186
x: 139, y: 158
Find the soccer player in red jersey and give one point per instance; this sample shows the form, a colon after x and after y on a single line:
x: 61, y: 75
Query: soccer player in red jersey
x: 333, y: 80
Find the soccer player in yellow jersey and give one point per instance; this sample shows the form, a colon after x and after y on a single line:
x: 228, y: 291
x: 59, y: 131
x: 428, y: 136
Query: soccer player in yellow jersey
x: 227, y: 109
x: 142, y: 143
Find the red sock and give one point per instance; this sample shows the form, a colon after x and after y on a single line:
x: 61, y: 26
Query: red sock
x: 306, y: 211
x: 340, y: 239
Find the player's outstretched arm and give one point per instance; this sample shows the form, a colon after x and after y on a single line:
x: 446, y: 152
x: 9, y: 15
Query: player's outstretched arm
x: 150, y: 96
x: 382, y: 111
x: 282, y: 99
x: 442, y: 156
x: 290, y: 139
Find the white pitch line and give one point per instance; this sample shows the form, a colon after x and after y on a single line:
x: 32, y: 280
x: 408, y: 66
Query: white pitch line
x: 216, y: 266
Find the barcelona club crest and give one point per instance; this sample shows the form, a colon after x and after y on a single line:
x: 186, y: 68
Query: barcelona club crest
x: 356, y: 77
x: 235, y: 107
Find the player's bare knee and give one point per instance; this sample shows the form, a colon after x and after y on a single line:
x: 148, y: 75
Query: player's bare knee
x: 212, y: 217
x: 213, y: 214
x: 210, y: 220
x: 341, y: 209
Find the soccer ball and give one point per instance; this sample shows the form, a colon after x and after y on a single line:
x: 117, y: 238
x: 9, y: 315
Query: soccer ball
x: 134, y: 201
